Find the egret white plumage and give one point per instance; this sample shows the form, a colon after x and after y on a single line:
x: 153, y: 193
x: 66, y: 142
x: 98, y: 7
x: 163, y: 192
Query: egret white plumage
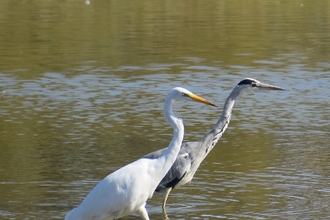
x: 193, y: 153
x: 126, y: 190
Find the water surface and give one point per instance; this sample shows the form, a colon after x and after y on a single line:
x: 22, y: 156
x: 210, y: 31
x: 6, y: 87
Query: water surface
x: 82, y: 89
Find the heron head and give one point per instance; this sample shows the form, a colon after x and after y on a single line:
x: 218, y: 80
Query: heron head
x: 252, y: 84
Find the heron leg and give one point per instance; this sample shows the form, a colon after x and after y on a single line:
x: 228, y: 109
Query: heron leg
x: 165, y: 196
x: 142, y: 212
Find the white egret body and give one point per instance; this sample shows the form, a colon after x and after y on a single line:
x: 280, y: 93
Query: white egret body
x: 126, y: 190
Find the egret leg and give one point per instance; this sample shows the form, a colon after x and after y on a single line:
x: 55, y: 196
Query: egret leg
x: 142, y: 212
x: 165, y: 196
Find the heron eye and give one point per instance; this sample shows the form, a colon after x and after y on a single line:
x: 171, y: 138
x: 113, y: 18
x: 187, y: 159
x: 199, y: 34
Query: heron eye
x: 253, y: 84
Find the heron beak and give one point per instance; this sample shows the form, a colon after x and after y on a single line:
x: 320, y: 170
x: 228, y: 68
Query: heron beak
x: 200, y: 99
x: 264, y: 86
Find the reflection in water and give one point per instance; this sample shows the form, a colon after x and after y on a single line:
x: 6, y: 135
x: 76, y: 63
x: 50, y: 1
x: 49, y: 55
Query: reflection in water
x: 82, y: 88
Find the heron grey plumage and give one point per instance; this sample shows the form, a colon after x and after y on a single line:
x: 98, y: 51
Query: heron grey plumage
x: 193, y: 153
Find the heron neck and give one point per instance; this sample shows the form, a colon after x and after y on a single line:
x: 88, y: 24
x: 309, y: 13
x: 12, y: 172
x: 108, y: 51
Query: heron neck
x: 230, y: 102
x: 223, y: 122
x: 210, y: 140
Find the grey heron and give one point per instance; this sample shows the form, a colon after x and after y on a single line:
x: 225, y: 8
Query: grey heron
x: 193, y: 153
x: 127, y: 190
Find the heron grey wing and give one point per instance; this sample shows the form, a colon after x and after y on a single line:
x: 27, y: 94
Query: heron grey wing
x: 155, y: 154
x: 179, y: 169
x: 176, y: 172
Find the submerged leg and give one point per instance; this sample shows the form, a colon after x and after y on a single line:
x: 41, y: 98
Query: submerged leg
x: 165, y: 196
x: 142, y: 212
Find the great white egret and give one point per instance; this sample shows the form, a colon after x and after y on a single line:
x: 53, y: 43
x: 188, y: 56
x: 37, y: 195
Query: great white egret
x: 193, y: 153
x: 126, y: 190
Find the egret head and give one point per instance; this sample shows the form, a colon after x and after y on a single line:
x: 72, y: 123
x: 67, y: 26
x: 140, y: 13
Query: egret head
x: 179, y: 93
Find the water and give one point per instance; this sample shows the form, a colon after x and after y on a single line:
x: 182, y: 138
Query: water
x: 82, y: 89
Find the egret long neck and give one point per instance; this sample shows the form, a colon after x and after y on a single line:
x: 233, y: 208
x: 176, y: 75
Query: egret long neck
x: 167, y: 159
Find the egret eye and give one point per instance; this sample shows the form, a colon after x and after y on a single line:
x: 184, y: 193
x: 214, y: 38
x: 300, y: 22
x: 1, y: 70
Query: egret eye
x: 184, y: 94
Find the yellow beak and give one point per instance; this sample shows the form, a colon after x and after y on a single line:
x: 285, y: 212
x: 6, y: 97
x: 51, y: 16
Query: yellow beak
x: 200, y: 99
